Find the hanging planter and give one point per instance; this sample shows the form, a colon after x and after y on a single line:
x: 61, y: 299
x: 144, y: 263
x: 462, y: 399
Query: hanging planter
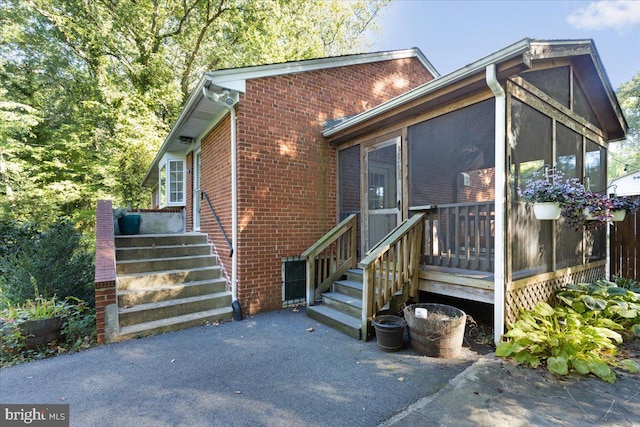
x: 547, y: 210
x: 618, y: 215
x: 620, y: 206
x: 547, y: 193
x: 589, y: 215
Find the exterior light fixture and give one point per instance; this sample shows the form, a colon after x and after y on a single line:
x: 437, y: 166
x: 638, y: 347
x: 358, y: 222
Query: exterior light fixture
x: 185, y: 139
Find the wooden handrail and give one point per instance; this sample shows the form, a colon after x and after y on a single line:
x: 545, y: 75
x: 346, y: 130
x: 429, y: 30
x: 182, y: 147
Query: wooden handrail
x: 393, y: 265
x: 330, y: 257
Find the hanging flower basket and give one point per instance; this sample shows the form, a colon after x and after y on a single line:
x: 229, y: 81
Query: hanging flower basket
x: 618, y: 215
x: 547, y: 210
x: 589, y: 215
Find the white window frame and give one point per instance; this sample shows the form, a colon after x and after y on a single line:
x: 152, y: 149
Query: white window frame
x: 165, y: 186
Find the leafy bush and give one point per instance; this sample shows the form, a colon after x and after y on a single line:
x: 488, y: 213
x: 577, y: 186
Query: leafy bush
x: 604, y: 299
x: 630, y: 284
x: 579, y: 335
x: 43, y: 264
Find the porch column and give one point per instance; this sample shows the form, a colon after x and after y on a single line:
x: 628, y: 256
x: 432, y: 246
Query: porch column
x: 500, y: 193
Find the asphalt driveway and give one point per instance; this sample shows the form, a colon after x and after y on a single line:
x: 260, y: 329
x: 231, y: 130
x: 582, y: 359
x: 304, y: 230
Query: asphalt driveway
x: 269, y: 370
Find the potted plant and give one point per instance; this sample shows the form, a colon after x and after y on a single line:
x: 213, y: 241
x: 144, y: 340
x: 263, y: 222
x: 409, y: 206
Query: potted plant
x: 620, y: 206
x: 587, y: 210
x: 39, y: 320
x: 128, y: 223
x: 547, y: 194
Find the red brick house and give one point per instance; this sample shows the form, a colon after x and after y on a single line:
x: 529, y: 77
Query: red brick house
x: 420, y: 172
x: 285, y: 177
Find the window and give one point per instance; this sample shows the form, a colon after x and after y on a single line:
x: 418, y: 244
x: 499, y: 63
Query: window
x: 172, y: 186
x: 294, y: 281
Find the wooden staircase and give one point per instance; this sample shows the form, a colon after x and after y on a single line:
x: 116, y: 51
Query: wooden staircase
x: 167, y: 282
x: 341, y: 308
x: 347, y: 298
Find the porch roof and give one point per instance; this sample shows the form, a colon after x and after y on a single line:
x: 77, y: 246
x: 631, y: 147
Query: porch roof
x: 200, y: 114
x: 509, y: 61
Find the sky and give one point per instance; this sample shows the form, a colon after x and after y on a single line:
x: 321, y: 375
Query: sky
x: 452, y: 34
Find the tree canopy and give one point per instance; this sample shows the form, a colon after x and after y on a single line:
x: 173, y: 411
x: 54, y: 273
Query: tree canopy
x: 89, y: 89
x: 624, y: 156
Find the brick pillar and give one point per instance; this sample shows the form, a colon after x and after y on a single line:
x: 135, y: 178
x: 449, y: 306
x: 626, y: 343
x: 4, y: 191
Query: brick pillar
x: 105, y: 274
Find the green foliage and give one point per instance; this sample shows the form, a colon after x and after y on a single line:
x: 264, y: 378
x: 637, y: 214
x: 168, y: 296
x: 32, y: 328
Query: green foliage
x: 627, y: 284
x: 626, y: 153
x: 579, y: 335
x: 78, y: 329
x: 564, y: 340
x: 90, y: 89
x: 55, y: 262
x: 603, y: 300
x: 35, y: 309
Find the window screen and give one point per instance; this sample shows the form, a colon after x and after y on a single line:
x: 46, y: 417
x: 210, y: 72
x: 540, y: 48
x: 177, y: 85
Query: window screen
x: 531, y: 137
x: 444, y: 148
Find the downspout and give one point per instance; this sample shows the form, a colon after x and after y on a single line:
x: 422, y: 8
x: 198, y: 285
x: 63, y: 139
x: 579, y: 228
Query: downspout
x: 228, y: 102
x: 500, y: 198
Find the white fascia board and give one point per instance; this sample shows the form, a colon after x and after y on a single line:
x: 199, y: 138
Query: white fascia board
x: 259, y: 71
x: 476, y: 67
x: 193, y: 100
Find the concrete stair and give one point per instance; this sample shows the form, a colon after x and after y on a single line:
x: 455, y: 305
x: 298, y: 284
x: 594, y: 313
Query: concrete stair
x: 167, y: 282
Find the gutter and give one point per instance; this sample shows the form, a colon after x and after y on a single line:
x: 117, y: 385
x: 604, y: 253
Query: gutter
x: 500, y: 201
x: 229, y: 99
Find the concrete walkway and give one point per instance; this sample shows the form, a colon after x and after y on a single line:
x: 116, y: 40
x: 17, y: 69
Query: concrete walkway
x: 494, y: 392
x: 263, y: 371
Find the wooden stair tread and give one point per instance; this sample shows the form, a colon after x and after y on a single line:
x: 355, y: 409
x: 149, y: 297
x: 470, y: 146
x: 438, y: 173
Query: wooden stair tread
x: 336, y: 315
x: 346, y: 299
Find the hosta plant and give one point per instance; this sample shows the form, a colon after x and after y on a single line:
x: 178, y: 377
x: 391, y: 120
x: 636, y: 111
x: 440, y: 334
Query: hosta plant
x: 564, y: 340
x: 604, y: 299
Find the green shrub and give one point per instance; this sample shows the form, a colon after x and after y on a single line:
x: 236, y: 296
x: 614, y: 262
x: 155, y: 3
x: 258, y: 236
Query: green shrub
x: 43, y: 264
x: 604, y: 299
x: 581, y: 334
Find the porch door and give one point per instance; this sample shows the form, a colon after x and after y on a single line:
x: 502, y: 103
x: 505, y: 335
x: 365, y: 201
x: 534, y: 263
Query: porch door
x: 197, y: 160
x: 382, y: 195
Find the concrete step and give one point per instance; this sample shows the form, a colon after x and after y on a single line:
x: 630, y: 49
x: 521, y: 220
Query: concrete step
x: 344, y: 303
x: 167, y: 277
x: 161, y: 264
x: 131, y: 297
x: 348, y: 287
x: 175, y: 323
x: 335, y: 319
x: 150, y: 312
x: 172, y: 251
x: 148, y: 240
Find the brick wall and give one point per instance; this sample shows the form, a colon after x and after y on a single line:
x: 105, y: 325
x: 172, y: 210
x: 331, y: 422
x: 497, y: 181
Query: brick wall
x: 105, y: 266
x: 286, y: 170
